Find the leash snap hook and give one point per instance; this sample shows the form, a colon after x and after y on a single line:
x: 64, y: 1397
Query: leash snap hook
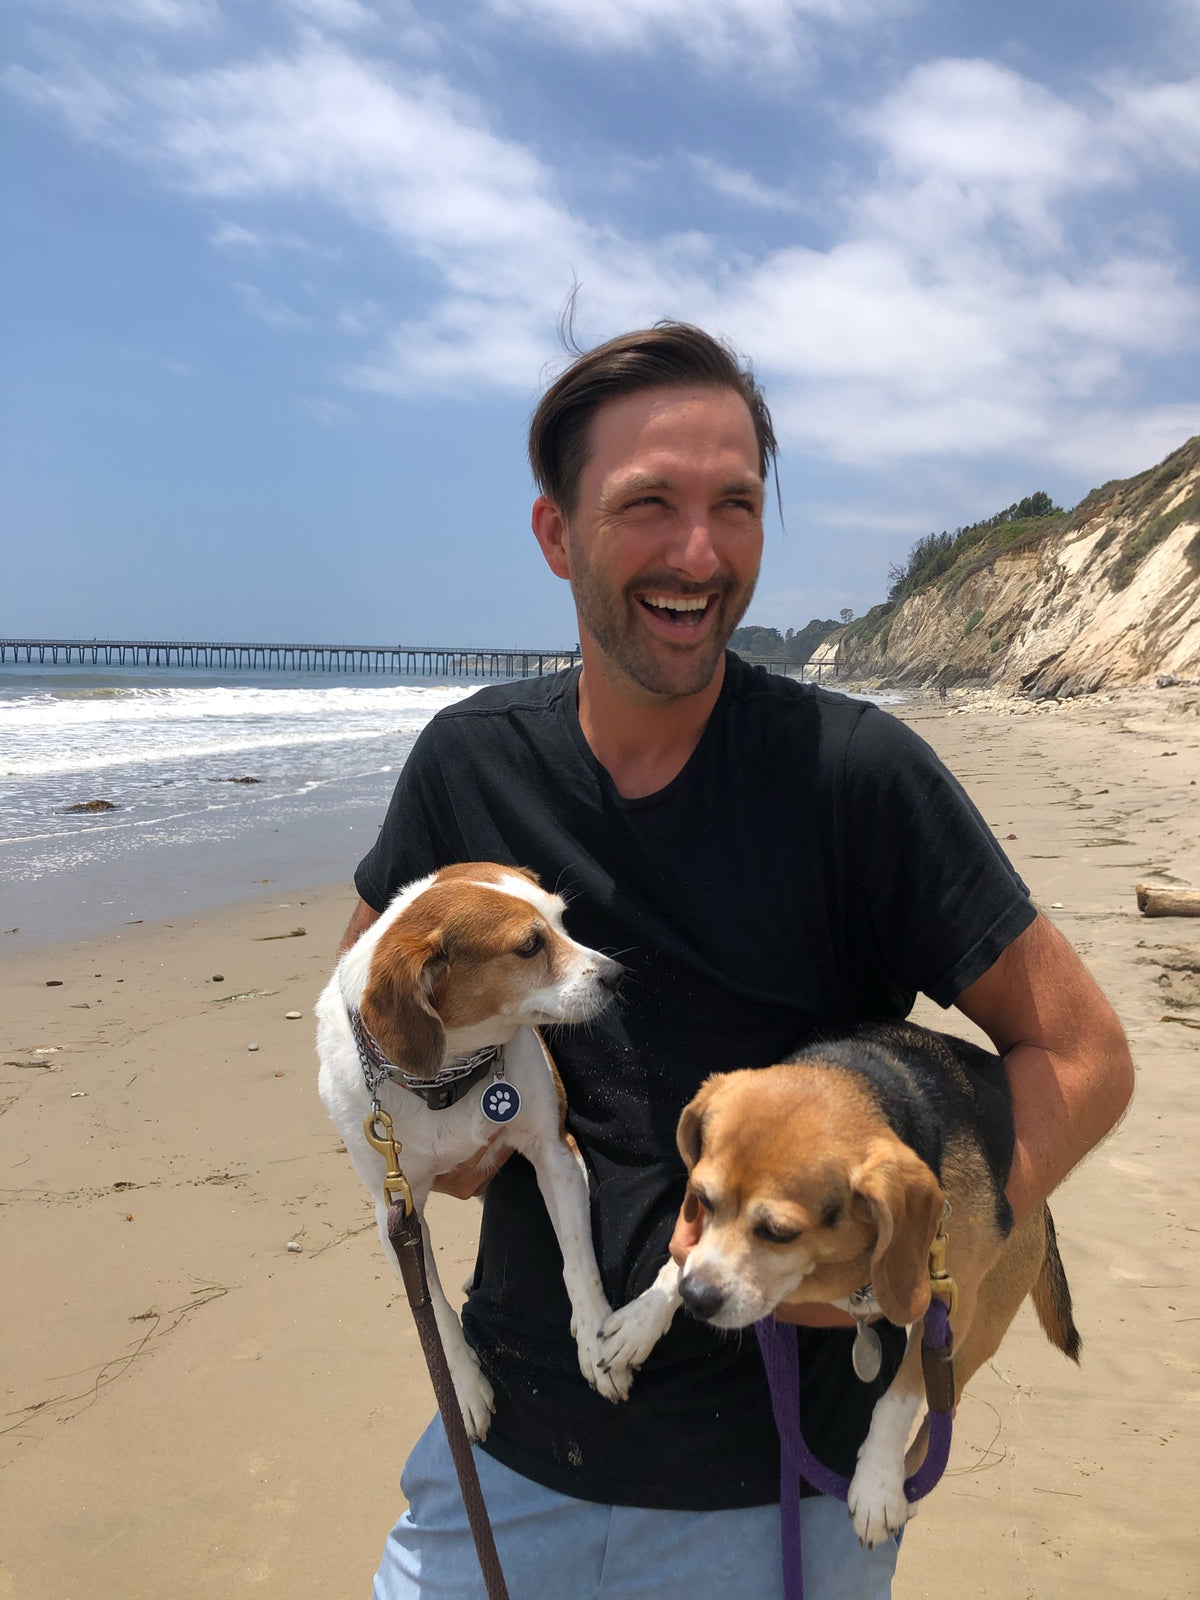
x: 940, y: 1282
x: 381, y: 1136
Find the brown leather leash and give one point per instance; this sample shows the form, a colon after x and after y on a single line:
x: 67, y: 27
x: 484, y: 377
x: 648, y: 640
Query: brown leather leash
x: 406, y: 1238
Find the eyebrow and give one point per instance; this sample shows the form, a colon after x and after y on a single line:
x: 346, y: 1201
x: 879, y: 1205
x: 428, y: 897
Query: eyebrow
x: 637, y: 482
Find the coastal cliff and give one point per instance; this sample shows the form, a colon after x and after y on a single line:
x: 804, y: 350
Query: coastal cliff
x: 1105, y: 595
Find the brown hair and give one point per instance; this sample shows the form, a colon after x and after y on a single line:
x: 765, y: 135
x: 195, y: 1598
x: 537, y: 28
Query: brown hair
x: 671, y: 355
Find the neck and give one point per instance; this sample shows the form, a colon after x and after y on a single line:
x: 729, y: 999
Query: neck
x: 642, y: 740
x: 462, y: 1042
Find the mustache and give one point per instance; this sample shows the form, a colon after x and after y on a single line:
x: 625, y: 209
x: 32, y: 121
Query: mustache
x: 723, y: 583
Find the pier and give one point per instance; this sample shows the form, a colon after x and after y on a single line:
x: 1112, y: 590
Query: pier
x: 812, y: 671
x: 423, y: 660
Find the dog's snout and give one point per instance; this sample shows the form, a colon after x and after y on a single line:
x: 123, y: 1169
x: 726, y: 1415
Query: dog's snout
x: 609, y: 974
x: 702, y: 1299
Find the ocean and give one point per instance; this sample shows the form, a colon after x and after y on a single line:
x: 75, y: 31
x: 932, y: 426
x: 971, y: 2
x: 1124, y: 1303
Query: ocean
x: 163, y: 747
x: 169, y: 750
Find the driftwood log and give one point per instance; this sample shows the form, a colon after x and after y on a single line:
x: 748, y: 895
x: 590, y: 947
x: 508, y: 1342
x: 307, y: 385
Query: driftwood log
x: 1156, y: 900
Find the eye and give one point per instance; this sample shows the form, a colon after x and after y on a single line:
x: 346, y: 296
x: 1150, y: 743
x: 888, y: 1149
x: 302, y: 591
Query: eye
x: 701, y: 1199
x: 535, y: 943
x: 776, y: 1235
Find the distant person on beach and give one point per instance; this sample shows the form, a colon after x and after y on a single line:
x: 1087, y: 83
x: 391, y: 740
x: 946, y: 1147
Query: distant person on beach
x: 770, y: 861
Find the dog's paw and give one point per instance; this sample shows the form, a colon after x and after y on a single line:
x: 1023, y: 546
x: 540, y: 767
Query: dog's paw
x: 876, y: 1503
x: 475, y: 1397
x: 629, y: 1335
x: 612, y: 1382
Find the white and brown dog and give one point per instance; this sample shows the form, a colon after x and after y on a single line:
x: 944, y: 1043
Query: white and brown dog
x: 825, y: 1180
x: 434, y: 1011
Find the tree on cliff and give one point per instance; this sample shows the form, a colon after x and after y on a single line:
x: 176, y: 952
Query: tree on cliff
x: 794, y: 648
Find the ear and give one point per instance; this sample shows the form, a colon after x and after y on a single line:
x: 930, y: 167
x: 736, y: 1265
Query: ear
x: 906, y: 1204
x: 397, y: 1003
x: 550, y: 531
x: 690, y: 1134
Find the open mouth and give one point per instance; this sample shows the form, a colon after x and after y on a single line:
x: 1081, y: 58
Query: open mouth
x: 679, y: 611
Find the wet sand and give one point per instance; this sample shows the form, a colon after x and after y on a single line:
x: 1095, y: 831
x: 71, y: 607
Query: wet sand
x: 191, y: 1407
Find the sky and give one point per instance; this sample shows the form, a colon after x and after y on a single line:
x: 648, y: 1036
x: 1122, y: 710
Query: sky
x: 282, y: 283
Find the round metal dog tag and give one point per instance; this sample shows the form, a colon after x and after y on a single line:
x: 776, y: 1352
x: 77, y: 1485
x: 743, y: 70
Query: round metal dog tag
x: 501, y: 1101
x: 866, y: 1353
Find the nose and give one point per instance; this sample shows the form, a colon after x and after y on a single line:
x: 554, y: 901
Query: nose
x: 692, y: 555
x: 702, y: 1299
x: 610, y: 974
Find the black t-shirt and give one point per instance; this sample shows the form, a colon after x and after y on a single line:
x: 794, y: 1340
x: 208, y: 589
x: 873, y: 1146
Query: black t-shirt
x: 813, y: 866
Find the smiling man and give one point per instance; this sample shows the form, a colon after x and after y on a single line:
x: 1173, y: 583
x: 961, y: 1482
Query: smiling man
x: 771, y: 862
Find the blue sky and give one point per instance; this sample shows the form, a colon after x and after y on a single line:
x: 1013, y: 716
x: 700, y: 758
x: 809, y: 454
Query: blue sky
x: 282, y: 281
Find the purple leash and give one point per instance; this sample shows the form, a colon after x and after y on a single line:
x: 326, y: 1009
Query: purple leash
x: 781, y: 1357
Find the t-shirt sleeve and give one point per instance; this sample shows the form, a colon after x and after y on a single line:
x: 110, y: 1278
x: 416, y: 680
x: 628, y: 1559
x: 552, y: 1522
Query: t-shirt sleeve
x: 413, y: 841
x: 942, y: 898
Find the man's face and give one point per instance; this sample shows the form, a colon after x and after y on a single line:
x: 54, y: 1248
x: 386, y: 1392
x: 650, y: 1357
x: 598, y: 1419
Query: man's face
x: 663, y: 547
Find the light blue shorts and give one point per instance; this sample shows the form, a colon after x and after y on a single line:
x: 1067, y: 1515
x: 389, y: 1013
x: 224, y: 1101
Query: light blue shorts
x: 553, y: 1547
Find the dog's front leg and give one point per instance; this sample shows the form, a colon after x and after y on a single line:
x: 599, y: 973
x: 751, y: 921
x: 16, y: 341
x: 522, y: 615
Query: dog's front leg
x: 563, y: 1182
x: 475, y: 1397
x: 876, y: 1500
x: 631, y: 1333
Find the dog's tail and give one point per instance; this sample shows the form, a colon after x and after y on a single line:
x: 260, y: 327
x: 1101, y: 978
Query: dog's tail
x: 1052, y: 1297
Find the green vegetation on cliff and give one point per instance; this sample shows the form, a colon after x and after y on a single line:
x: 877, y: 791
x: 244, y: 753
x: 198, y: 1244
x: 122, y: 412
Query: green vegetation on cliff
x: 934, y: 556
x: 793, y: 647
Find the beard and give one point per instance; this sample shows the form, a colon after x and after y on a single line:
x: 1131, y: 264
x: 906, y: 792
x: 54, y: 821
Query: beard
x: 662, y: 667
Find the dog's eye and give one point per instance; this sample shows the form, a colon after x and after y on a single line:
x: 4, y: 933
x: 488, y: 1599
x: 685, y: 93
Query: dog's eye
x: 774, y: 1235
x: 536, y: 942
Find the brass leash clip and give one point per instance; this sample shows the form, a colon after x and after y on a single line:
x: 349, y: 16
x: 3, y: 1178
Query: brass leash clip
x: 940, y: 1281
x: 396, y: 1190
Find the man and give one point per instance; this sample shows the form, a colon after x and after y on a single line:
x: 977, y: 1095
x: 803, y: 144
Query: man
x: 769, y: 861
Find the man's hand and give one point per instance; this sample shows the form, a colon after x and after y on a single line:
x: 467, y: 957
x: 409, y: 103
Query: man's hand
x: 688, y: 1228
x: 472, y: 1176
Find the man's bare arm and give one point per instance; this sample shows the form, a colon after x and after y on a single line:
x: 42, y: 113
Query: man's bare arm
x: 364, y: 917
x: 1069, y: 1068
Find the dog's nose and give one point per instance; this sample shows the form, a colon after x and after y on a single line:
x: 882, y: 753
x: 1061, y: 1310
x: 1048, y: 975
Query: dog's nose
x: 610, y: 974
x: 702, y: 1299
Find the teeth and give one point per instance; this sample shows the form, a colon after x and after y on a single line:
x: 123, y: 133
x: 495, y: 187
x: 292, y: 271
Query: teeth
x: 677, y: 602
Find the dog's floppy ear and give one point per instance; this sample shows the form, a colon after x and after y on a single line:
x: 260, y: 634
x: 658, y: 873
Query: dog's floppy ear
x: 690, y: 1134
x: 906, y: 1204
x: 397, y: 1003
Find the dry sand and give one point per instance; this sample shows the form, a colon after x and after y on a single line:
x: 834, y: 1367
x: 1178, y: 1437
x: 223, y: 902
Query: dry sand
x: 192, y: 1408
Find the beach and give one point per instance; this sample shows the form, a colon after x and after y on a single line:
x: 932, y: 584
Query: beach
x: 211, y: 1379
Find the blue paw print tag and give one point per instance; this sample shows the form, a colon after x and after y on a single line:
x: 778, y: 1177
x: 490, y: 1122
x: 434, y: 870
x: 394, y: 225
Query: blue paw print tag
x: 501, y: 1101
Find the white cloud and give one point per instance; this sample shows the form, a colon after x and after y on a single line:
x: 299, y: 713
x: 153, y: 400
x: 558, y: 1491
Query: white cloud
x: 954, y: 316
x: 1161, y: 120
x: 274, y: 312
x: 743, y: 187
x: 718, y: 32
x: 327, y: 412
x: 340, y: 16
x: 232, y: 235
x: 157, y: 16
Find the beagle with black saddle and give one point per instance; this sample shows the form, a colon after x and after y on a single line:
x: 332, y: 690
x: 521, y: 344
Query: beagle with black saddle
x: 826, y: 1179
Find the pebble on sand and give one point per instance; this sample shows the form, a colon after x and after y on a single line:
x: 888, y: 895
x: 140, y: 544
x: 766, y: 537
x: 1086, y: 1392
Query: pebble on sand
x: 293, y: 1016
x: 218, y: 977
x: 54, y: 983
x: 251, y: 1047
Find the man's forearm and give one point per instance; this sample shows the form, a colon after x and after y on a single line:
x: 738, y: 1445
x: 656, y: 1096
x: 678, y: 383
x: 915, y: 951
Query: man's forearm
x: 1069, y: 1068
x: 364, y: 917
x: 1062, y: 1109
